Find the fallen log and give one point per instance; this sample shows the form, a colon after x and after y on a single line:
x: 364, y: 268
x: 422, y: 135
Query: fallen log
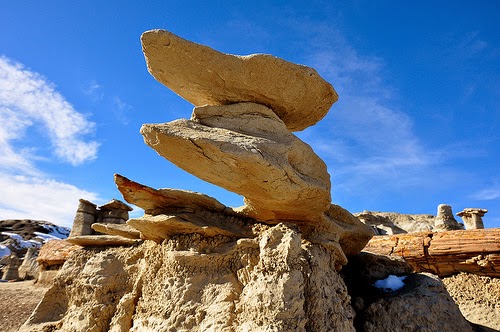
x: 444, y: 253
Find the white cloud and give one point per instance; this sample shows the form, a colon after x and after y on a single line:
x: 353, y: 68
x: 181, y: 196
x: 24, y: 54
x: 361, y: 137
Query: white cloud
x: 34, y: 100
x: 366, y: 138
x: 29, y: 102
x: 121, y: 110
x: 486, y: 194
x: 28, y: 197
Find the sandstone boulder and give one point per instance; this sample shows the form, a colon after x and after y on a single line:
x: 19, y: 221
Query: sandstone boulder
x: 117, y: 229
x: 204, y: 76
x: 165, y: 200
x: 422, y: 304
x: 55, y: 252
x: 280, y: 176
x: 101, y: 240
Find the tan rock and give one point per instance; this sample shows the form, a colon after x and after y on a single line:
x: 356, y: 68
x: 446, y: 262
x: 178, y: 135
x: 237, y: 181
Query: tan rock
x: 478, y: 298
x: 276, y: 282
x: 84, y: 218
x: 101, y: 240
x: 117, y: 229
x: 280, y: 176
x: 55, y: 252
x: 445, y: 221
x: 473, y: 217
x: 353, y: 234
x: 161, y: 227
x: 29, y: 268
x: 204, y: 76
x: 165, y: 201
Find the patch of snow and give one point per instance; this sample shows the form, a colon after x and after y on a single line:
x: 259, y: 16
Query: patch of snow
x: 4, y: 251
x: 58, y: 232
x: 45, y: 237
x: 20, y: 243
x: 13, y: 236
x: 391, y: 283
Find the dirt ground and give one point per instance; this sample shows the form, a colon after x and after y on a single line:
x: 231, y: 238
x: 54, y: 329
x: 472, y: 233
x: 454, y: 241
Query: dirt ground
x: 477, y: 297
x: 17, y: 302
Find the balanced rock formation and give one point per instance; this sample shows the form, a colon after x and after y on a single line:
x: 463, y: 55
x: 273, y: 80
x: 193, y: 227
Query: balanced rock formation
x: 271, y: 265
x: 115, y: 212
x: 204, y: 76
x: 473, y: 218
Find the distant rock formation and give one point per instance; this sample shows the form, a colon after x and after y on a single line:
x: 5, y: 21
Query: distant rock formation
x: 24, y: 237
x: 445, y: 221
x: 389, y: 223
x: 473, y: 217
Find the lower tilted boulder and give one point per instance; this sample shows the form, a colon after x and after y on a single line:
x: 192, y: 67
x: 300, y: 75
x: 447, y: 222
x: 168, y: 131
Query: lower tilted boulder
x: 279, y: 175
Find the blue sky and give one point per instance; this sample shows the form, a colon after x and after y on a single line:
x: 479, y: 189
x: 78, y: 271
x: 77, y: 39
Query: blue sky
x: 416, y: 124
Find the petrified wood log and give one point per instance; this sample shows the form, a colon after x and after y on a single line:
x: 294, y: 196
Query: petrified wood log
x: 445, y: 253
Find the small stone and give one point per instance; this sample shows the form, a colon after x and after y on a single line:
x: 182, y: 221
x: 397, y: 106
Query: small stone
x: 101, y: 240
x: 117, y: 229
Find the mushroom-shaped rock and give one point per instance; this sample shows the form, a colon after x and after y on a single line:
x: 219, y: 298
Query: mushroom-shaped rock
x: 204, y: 76
x: 249, y: 152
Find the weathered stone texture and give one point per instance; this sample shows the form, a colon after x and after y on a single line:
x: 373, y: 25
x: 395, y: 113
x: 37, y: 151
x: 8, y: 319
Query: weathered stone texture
x: 280, y: 176
x: 444, y: 253
x: 204, y: 76
x: 276, y: 282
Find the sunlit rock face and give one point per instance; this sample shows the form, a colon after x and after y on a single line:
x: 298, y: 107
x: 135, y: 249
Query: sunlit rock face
x: 204, y: 76
x: 192, y: 264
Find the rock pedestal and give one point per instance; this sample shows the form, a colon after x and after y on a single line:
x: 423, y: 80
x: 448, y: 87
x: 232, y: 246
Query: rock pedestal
x: 29, y: 267
x: 84, y: 218
x: 11, y: 271
x: 277, y: 281
x: 473, y: 218
x: 445, y: 221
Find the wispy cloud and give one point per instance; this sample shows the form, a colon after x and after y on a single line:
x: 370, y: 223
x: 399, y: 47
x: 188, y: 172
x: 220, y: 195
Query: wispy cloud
x: 94, y: 90
x: 28, y: 101
x: 487, y: 194
x: 366, y: 138
x: 27, y: 197
x: 35, y: 100
x: 121, y: 110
